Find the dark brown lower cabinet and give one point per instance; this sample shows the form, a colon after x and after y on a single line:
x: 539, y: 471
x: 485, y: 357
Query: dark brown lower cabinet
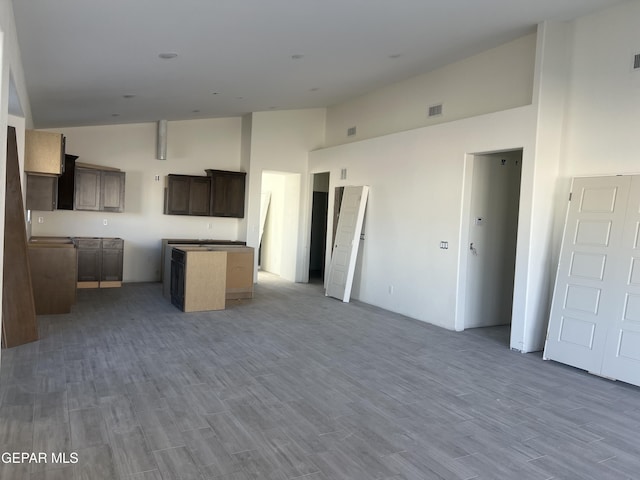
x: 111, y: 265
x: 100, y: 262
x: 53, y: 275
x: 177, y: 278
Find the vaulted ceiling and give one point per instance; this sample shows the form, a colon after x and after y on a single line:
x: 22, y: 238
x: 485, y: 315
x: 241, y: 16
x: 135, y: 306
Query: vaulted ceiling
x: 98, y: 62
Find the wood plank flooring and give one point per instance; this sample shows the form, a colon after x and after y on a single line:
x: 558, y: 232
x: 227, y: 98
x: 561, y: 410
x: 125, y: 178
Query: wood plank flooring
x: 294, y: 385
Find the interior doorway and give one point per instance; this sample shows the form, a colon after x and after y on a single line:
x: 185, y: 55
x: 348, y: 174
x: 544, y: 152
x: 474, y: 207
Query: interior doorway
x: 318, y: 235
x: 492, y: 227
x: 278, y: 252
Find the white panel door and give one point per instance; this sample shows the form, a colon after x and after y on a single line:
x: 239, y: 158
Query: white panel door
x: 622, y: 350
x: 584, y: 299
x: 345, y: 248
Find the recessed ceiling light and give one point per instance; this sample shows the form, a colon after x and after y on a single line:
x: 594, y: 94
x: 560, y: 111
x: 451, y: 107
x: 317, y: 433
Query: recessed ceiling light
x: 215, y: 93
x: 128, y: 96
x: 314, y: 89
x: 115, y: 114
x: 296, y: 56
x: 195, y: 111
x: 239, y: 98
x: 167, y: 55
x: 395, y: 55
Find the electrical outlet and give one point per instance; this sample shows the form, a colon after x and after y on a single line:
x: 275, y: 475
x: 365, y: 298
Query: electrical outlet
x: 444, y: 245
x: 390, y: 289
x: 157, y: 178
x: 40, y: 219
x: 105, y: 222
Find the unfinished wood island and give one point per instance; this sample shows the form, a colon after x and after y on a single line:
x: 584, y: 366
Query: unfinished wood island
x: 199, y: 275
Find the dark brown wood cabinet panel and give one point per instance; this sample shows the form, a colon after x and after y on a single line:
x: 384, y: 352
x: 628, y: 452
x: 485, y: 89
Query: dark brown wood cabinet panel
x: 42, y: 192
x: 199, y: 195
x: 177, y: 278
x: 111, y: 265
x: 18, y: 308
x: 99, y: 190
x: 87, y: 189
x: 53, y: 274
x: 220, y: 194
x: 177, y: 201
x: 89, y: 261
x: 112, y: 256
x: 67, y: 183
x: 100, y: 262
x: 188, y: 195
x: 112, y: 191
x: 227, y: 193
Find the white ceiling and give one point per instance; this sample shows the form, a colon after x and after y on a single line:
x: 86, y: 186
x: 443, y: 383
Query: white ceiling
x: 235, y: 56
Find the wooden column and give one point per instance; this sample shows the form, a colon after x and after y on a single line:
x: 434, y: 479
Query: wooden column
x: 18, y: 308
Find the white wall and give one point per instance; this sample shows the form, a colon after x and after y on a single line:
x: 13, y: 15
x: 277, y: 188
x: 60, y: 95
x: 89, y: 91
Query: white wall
x: 415, y: 201
x: 280, y: 142
x: 603, y: 120
x: 498, y: 79
x: 192, y: 146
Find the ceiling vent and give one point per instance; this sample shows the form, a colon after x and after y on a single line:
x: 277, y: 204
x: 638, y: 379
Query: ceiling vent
x: 636, y: 61
x: 351, y: 131
x: 435, y: 110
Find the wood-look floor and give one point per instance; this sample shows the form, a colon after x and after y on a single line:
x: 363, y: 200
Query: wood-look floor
x: 293, y: 385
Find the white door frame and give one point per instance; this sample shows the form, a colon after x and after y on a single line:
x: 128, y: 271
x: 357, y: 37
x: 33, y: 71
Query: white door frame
x: 465, y: 235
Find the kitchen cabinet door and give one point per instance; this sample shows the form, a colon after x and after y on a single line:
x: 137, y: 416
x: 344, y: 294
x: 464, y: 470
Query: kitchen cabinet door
x: 199, y: 195
x: 177, y: 201
x: 89, y: 261
x: 87, y: 189
x: 111, y: 266
x: 112, y: 191
x: 42, y: 192
x: 227, y: 193
x: 188, y: 195
x: 177, y: 278
x: 43, y: 152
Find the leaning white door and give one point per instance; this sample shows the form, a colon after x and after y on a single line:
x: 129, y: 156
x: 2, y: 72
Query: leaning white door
x: 622, y: 350
x: 345, y: 248
x: 585, y: 299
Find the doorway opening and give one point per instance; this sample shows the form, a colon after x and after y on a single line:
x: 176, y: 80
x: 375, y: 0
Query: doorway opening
x: 280, y: 213
x: 492, y: 226
x: 318, y: 234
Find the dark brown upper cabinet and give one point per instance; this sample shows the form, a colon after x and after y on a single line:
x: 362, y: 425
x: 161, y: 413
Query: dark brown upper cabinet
x: 99, y: 190
x: 42, y: 192
x: 67, y: 183
x: 219, y: 194
x: 227, y: 193
x: 187, y: 195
